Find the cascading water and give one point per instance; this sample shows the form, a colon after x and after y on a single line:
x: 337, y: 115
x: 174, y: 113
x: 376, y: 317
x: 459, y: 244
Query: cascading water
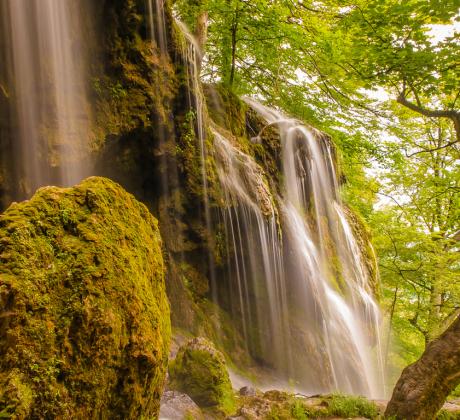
x: 314, y: 313
x: 156, y: 20
x: 251, y: 222
x: 193, y: 55
x: 299, y: 285
x: 157, y: 24
x: 302, y: 286
x: 42, y: 62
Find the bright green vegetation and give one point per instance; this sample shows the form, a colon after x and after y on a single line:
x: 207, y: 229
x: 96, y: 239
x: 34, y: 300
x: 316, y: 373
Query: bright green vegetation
x: 199, y: 370
x: 275, y: 405
x: 345, y: 406
x: 446, y: 415
x: 336, y: 405
x: 84, y: 327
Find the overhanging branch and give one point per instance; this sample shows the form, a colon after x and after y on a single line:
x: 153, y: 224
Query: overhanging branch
x: 452, y: 115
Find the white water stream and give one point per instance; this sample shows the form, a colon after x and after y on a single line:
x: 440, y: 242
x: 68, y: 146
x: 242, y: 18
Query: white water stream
x: 305, y: 299
x: 45, y: 65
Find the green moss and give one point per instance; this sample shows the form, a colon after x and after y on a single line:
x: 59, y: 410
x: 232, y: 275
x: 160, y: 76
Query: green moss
x: 134, y: 85
x: 189, y: 154
x: 447, y: 415
x: 226, y: 109
x: 278, y: 405
x: 193, y: 280
x: 349, y: 406
x: 18, y: 396
x: 298, y: 411
x: 84, y: 319
x: 363, y: 236
x: 455, y: 394
x: 200, y: 371
x: 189, y: 416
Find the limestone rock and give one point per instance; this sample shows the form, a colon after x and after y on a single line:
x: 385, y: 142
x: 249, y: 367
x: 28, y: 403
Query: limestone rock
x: 178, y: 406
x: 248, y: 391
x: 84, y: 318
x: 199, y: 370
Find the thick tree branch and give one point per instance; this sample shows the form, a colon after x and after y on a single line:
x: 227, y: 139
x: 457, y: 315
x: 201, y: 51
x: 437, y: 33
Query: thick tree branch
x: 424, y: 386
x: 453, y: 115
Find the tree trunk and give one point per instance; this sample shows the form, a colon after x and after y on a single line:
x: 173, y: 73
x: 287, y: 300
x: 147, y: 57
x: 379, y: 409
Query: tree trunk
x: 201, y: 31
x: 234, y: 32
x: 424, y: 386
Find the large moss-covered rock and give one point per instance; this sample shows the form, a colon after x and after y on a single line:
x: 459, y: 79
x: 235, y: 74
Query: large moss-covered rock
x: 200, y: 371
x: 84, y: 318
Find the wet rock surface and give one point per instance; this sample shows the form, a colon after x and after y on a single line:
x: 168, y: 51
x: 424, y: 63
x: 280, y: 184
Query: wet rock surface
x: 176, y: 406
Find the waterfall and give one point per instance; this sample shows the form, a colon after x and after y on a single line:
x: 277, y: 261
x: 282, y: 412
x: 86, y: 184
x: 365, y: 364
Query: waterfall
x: 43, y: 55
x: 156, y: 21
x: 305, y: 298
x: 255, y: 261
x: 297, y: 278
x: 193, y: 55
x: 157, y: 24
x: 297, y: 282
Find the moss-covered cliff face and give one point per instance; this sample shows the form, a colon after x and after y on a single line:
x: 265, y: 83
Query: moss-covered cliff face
x: 133, y: 82
x: 364, y: 240
x: 146, y: 138
x: 84, y: 317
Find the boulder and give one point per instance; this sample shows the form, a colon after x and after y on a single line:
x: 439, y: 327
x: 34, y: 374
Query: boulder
x: 199, y: 370
x: 175, y: 405
x: 84, y: 318
x: 248, y: 391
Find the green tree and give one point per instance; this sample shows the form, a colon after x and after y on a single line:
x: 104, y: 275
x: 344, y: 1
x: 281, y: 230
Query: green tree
x: 416, y: 233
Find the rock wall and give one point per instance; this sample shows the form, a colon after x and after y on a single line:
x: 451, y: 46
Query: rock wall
x: 146, y: 139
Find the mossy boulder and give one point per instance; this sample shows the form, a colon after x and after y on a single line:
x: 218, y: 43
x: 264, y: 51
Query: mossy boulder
x: 200, y: 371
x: 84, y: 318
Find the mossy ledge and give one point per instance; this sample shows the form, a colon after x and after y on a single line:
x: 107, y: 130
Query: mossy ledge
x: 84, y: 317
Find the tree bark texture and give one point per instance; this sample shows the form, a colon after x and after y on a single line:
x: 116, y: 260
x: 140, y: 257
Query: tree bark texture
x: 424, y: 386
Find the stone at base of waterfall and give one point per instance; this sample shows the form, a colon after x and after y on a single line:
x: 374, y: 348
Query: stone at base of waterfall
x: 84, y: 316
x: 177, y: 406
x: 248, y: 391
x: 200, y: 370
x: 452, y: 406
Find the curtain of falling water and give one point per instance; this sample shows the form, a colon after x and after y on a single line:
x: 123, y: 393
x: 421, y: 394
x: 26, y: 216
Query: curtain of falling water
x: 193, y: 56
x: 44, y: 64
x: 157, y: 32
x: 325, y: 265
x: 256, y: 261
x: 157, y: 24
